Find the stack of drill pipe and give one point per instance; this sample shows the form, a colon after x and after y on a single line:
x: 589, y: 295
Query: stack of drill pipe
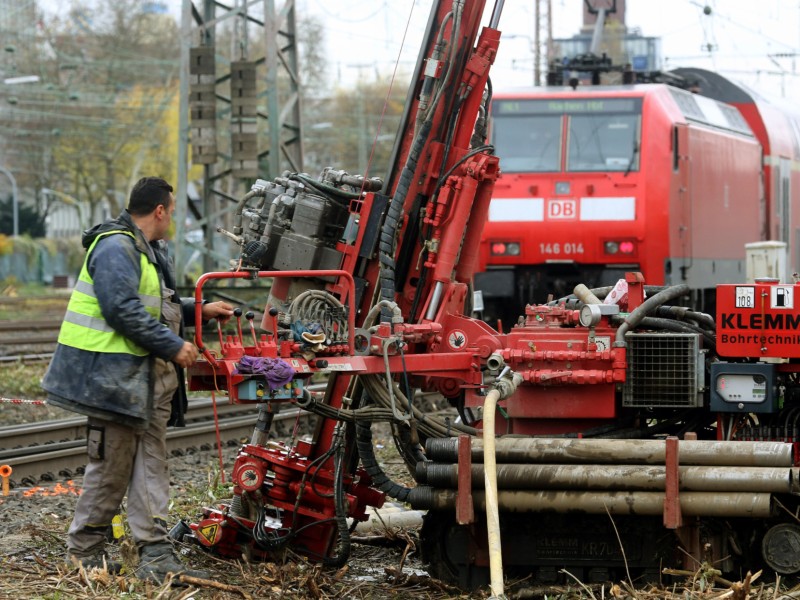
x: 716, y: 479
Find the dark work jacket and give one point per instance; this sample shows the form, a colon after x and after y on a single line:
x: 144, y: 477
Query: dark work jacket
x: 119, y: 387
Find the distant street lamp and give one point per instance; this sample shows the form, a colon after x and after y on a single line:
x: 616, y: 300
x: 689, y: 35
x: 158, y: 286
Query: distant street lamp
x: 14, y: 199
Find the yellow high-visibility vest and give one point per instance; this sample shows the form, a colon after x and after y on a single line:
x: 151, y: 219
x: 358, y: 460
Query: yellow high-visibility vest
x: 84, y: 326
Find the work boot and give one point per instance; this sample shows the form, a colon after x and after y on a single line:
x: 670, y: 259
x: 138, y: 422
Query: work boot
x: 157, y: 560
x: 97, y: 560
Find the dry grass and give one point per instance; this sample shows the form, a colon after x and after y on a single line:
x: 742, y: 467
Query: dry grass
x: 40, y: 571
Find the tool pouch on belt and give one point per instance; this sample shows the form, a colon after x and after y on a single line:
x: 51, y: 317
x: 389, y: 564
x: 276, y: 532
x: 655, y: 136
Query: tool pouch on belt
x: 170, y: 311
x: 95, y: 442
x: 165, y: 371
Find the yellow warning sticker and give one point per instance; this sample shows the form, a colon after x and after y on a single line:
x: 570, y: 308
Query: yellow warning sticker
x: 209, y: 533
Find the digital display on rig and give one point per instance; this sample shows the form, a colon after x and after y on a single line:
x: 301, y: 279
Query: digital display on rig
x: 568, y: 106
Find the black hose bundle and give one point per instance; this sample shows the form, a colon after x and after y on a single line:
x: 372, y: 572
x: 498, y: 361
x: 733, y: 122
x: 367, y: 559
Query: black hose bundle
x: 371, y: 466
x: 394, y: 217
x: 340, y: 506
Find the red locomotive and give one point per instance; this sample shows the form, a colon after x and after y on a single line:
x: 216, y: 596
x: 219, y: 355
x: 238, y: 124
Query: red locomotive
x: 597, y: 181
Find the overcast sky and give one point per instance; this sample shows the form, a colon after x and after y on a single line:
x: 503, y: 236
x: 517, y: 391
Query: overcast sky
x: 745, y: 37
x: 753, y: 41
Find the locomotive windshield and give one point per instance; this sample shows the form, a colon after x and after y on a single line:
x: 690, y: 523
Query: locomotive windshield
x: 528, y: 143
x: 603, y: 134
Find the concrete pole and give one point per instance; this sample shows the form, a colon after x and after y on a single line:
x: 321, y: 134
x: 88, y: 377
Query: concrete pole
x: 273, y: 106
x: 537, y: 45
x: 181, y: 197
x: 14, y: 200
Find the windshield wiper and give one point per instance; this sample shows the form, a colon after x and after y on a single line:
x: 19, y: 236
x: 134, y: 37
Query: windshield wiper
x: 633, y: 158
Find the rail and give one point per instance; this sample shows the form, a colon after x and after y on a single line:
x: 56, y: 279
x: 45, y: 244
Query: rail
x: 64, y: 460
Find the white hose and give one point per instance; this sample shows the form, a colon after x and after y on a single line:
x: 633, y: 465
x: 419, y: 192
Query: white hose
x: 585, y: 295
x: 506, y: 384
x: 490, y: 482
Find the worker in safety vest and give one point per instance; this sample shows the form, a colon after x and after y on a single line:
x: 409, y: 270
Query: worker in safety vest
x: 119, y: 361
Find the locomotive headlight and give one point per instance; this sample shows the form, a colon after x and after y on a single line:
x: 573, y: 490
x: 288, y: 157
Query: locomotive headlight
x: 505, y: 249
x: 627, y: 247
x: 619, y: 247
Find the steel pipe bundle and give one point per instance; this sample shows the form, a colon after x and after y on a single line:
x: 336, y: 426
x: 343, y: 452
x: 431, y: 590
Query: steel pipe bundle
x: 615, y: 477
x: 632, y: 452
x: 715, y: 479
x: 706, y: 504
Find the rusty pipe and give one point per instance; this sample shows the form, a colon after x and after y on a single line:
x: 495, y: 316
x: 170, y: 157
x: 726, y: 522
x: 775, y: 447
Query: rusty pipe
x: 616, y: 477
x: 693, y: 504
x: 631, y: 452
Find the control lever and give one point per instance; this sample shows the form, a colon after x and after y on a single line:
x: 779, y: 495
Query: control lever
x: 250, y: 315
x: 237, y: 312
x: 273, y: 312
x: 221, y: 337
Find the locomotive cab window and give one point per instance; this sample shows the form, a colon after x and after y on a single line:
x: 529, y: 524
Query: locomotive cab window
x: 603, y: 142
x: 528, y: 143
x: 604, y: 134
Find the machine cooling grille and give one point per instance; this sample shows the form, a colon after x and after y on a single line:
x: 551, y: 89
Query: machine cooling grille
x: 664, y: 370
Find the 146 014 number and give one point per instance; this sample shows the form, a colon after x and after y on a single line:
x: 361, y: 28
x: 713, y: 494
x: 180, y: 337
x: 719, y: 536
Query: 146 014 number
x: 565, y: 248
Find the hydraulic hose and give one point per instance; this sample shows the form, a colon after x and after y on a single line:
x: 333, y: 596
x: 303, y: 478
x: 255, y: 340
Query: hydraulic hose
x: 490, y: 484
x: 339, y: 177
x: 682, y: 313
x: 371, y: 466
x: 602, y: 292
x: 273, y: 542
x: 651, y: 304
x: 586, y: 295
x: 428, y: 425
x: 504, y: 386
x: 678, y: 326
x: 343, y: 549
x: 380, y: 307
x: 324, y: 188
x: 394, y: 215
x: 237, y: 215
x: 369, y: 413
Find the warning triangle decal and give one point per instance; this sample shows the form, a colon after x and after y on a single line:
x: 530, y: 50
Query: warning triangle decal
x: 209, y: 533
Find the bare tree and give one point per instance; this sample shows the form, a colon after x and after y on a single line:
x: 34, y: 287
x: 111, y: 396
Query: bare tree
x: 107, y: 80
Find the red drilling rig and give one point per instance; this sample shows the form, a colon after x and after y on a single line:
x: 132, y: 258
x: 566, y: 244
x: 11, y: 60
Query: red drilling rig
x: 603, y: 431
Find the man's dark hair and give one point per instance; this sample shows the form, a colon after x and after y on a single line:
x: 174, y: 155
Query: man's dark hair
x: 147, y: 194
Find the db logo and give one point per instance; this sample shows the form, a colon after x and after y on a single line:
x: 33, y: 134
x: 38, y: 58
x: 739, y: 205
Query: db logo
x: 561, y: 209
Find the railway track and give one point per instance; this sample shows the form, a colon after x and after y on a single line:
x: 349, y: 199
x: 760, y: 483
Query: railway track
x: 54, y: 450
x: 31, y: 340
x: 21, y: 340
x: 26, y: 358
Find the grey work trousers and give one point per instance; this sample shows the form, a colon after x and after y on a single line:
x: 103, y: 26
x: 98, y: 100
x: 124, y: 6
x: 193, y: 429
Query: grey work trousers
x: 125, y: 459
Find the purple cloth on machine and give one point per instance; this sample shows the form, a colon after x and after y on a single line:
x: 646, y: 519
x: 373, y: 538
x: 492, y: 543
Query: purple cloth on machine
x: 276, y: 371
